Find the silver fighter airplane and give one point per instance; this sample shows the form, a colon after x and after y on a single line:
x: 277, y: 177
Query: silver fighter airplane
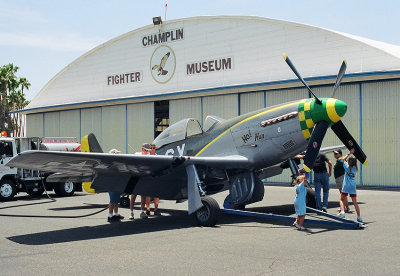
x: 194, y: 162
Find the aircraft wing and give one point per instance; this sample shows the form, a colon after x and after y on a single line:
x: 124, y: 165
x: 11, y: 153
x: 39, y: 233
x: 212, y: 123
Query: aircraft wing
x: 75, y: 163
x: 112, y: 172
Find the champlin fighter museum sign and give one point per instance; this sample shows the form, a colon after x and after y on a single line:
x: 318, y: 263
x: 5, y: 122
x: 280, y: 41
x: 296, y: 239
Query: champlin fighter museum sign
x: 163, y: 61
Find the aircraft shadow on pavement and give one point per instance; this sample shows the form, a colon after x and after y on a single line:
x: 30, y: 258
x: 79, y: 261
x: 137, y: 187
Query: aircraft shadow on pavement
x: 176, y: 219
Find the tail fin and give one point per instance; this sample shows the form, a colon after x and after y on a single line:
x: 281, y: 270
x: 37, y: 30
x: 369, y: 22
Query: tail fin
x: 89, y: 143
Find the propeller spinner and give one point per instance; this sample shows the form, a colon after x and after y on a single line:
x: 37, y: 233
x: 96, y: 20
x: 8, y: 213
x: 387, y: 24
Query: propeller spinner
x: 322, y: 114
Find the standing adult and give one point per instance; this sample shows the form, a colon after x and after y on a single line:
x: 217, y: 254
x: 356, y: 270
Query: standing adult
x: 321, y: 180
x: 114, y: 200
x: 156, y: 199
x: 143, y: 199
x: 338, y: 173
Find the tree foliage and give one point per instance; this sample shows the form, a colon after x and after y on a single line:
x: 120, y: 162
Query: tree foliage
x: 12, y: 98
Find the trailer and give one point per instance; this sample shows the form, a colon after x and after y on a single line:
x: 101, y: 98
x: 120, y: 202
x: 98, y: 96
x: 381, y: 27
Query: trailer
x: 13, y: 180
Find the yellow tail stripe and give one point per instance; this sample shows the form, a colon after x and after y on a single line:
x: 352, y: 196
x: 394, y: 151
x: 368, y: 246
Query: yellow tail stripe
x: 85, y: 148
x: 85, y: 144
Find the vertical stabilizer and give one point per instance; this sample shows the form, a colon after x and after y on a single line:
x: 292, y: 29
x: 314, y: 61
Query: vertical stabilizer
x: 89, y: 143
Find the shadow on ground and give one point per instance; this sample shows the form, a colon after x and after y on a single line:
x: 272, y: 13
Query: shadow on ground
x: 176, y: 219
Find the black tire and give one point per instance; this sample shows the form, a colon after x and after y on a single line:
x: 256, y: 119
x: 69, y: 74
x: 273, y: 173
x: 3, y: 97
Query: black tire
x: 208, y: 214
x: 64, y: 188
x: 124, y: 201
x: 7, y: 190
x: 310, y: 198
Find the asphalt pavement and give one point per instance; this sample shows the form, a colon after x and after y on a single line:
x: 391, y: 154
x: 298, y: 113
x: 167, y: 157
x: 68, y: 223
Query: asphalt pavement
x: 71, y: 236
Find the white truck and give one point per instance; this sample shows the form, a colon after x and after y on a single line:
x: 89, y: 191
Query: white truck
x: 13, y: 180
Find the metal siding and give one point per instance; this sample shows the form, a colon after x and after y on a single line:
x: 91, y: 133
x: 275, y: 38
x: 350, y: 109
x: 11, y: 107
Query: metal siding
x: 287, y: 95
x: 52, y: 124
x: 225, y: 106
x: 91, y: 123
x: 69, y: 124
x: 34, y: 125
x: 380, y: 126
x: 114, y: 128
x: 251, y: 101
x: 184, y: 108
x: 140, y: 124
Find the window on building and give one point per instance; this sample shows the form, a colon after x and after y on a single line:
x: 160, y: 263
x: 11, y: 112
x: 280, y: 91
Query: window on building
x: 161, y: 109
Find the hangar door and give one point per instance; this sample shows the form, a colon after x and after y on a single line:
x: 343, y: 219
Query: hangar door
x: 91, y: 122
x: 113, y: 127
x: 251, y: 101
x: 34, y: 125
x: 380, y: 132
x: 183, y: 109
x: 140, y: 125
x: 224, y: 106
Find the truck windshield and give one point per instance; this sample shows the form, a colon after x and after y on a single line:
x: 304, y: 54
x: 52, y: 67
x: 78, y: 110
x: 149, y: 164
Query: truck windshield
x: 6, y: 149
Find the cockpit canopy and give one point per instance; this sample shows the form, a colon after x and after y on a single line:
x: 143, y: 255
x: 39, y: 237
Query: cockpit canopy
x: 178, y: 131
x: 211, y: 121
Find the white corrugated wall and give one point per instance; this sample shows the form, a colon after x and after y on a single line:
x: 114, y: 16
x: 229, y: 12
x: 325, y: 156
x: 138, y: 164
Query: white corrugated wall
x: 251, y: 101
x: 113, y: 125
x: 91, y: 122
x: 380, y: 132
x: 185, y: 108
x: 52, y: 124
x: 70, y: 123
x: 140, y: 126
x: 34, y: 125
x: 225, y: 106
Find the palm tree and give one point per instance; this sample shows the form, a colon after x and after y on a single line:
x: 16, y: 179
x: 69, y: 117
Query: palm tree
x: 8, y: 82
x: 17, y: 101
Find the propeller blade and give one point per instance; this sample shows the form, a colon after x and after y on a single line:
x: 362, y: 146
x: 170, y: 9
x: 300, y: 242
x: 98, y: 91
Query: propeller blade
x: 314, y: 144
x: 289, y: 62
x: 343, y: 134
x: 339, y: 78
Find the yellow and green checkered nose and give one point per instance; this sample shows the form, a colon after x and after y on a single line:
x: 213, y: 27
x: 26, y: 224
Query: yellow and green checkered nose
x: 331, y: 110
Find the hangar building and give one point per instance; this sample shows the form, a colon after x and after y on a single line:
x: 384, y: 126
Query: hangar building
x: 132, y: 87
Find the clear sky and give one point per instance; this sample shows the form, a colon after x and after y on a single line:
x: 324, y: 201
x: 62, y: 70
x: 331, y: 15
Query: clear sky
x: 44, y: 36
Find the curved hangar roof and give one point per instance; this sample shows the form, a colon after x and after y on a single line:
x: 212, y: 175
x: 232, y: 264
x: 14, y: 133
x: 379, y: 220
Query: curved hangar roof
x: 200, y: 55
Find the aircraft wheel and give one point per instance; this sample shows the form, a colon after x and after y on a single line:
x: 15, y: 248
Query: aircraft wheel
x: 209, y: 213
x: 310, y: 198
x: 124, y: 201
x: 64, y: 188
x: 7, y: 190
